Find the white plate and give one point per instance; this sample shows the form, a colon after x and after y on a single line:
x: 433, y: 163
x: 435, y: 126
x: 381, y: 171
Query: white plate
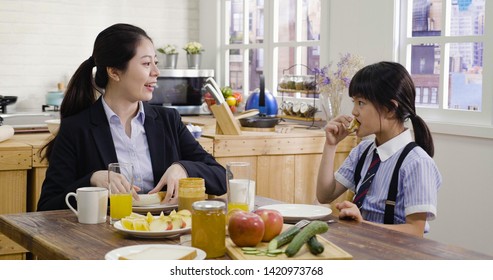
x: 296, y: 212
x: 114, y: 254
x: 151, y: 234
x: 154, y: 208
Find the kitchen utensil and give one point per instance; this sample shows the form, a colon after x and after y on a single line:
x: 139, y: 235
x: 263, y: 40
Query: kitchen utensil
x: 331, y: 252
x: 259, y: 122
x: 267, y: 106
x: 214, y: 93
x: 246, y: 114
x: 216, y: 87
x: 262, y: 100
x: 6, y: 100
x: 55, y: 97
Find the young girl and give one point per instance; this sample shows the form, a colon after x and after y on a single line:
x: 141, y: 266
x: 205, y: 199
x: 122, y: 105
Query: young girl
x: 383, y: 96
x: 119, y: 126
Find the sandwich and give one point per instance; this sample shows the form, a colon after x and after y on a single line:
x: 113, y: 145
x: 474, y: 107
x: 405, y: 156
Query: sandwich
x: 353, y: 125
x: 162, y: 253
x: 149, y: 199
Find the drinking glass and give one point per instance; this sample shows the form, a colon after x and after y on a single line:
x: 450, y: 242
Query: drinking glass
x: 240, y: 186
x: 120, y: 178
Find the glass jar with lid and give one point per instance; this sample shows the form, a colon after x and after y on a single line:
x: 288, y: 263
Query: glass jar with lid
x: 209, y: 227
x: 189, y: 191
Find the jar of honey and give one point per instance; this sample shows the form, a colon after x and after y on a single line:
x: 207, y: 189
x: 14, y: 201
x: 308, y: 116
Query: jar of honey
x: 189, y: 191
x: 209, y: 227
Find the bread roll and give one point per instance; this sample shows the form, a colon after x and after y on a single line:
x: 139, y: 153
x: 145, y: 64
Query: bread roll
x: 6, y: 132
x: 353, y: 125
x: 149, y: 199
x: 162, y: 253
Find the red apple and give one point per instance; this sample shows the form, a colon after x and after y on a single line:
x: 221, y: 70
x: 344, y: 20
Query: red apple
x: 273, y: 222
x: 245, y: 229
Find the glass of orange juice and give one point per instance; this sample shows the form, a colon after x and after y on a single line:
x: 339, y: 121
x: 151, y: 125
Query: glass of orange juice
x: 120, y: 178
x: 240, y: 185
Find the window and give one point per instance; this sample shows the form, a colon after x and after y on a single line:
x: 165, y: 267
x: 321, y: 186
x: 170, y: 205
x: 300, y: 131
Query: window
x: 443, y: 46
x: 268, y: 37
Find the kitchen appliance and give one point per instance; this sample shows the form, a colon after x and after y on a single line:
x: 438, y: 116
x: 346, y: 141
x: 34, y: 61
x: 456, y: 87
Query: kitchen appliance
x: 6, y: 100
x: 262, y: 100
x: 182, y: 89
x: 266, y: 103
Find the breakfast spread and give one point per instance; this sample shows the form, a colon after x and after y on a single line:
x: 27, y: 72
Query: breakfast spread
x: 175, y: 220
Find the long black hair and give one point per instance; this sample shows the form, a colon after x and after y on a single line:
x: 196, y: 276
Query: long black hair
x: 386, y: 83
x: 113, y: 47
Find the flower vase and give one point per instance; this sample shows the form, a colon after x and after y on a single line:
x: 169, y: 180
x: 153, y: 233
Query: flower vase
x: 170, y: 61
x: 330, y: 103
x: 193, y: 61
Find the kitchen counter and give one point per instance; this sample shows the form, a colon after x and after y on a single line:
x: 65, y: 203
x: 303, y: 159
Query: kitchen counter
x: 285, y: 162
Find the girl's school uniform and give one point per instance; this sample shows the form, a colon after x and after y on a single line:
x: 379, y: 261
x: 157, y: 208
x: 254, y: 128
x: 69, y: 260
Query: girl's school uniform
x: 418, y: 184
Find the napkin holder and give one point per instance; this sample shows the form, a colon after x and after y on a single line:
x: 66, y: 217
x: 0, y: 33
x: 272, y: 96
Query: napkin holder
x: 226, y: 123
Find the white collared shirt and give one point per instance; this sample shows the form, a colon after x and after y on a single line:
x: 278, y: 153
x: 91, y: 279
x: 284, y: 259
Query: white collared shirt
x: 134, y: 149
x: 419, y: 180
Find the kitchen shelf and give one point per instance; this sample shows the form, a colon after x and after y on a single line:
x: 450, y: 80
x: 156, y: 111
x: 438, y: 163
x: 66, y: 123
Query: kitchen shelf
x: 297, y: 90
x: 311, y: 93
x: 296, y: 118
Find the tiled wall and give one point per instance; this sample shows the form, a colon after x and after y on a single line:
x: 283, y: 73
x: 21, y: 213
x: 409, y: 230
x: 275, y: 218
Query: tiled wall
x: 42, y: 42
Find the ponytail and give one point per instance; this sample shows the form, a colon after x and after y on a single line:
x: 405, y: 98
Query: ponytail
x: 80, y: 90
x: 78, y: 96
x: 422, y: 135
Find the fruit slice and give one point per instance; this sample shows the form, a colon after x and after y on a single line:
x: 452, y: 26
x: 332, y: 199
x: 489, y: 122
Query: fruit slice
x: 160, y: 225
x: 141, y: 224
x: 127, y: 223
x: 184, y: 212
x: 178, y: 222
x: 149, y: 217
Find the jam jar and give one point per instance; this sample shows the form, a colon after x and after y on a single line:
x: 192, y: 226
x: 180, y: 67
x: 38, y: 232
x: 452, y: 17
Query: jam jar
x: 209, y: 227
x: 189, y: 191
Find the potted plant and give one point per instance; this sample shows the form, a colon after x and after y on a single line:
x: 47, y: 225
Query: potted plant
x: 194, y: 50
x: 170, y: 56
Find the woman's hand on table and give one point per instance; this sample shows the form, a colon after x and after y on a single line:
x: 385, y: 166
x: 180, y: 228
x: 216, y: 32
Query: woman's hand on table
x: 349, y: 211
x: 171, y: 179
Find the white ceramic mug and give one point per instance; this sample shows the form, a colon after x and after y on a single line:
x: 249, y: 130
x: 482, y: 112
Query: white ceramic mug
x: 92, y: 204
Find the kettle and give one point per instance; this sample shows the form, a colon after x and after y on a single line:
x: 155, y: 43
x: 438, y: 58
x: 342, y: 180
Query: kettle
x: 262, y: 100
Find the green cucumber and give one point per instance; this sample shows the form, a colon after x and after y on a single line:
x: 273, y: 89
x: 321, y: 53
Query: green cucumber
x: 313, y: 228
x: 315, y: 246
x: 283, y: 238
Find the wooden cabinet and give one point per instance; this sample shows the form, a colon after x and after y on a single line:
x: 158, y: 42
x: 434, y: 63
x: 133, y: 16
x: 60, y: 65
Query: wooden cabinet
x: 15, y: 161
x: 285, y: 166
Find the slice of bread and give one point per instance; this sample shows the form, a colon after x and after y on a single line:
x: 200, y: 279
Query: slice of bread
x: 162, y: 253
x: 149, y: 199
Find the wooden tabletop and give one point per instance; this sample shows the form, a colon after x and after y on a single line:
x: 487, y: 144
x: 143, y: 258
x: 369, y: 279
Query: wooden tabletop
x: 58, y: 235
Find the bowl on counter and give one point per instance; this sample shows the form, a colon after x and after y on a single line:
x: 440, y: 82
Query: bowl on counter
x: 53, y: 125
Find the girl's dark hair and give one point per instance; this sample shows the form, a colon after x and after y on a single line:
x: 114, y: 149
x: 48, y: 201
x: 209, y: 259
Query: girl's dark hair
x: 385, y: 83
x: 113, y: 47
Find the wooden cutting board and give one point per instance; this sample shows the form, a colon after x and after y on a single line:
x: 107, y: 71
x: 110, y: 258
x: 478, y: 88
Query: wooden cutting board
x: 331, y: 252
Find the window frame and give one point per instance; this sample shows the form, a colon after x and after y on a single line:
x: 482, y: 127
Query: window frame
x: 443, y: 120
x: 270, y: 45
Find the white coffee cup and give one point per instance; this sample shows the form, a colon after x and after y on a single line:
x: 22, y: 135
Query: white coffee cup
x: 92, y: 204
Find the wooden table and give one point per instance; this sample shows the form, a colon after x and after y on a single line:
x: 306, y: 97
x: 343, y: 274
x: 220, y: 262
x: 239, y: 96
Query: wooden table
x: 58, y: 235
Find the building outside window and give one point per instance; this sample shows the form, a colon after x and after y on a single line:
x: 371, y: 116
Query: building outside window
x: 271, y: 38
x: 442, y: 45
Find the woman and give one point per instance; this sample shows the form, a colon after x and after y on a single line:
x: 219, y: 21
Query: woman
x: 383, y: 96
x: 120, y: 126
